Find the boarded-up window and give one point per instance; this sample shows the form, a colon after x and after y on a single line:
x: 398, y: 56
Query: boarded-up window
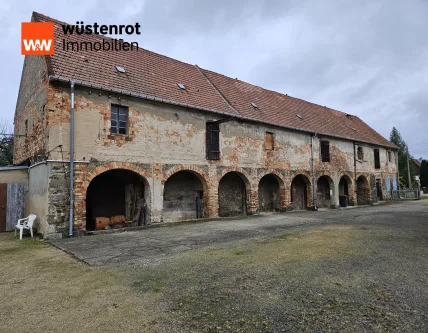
x: 269, y: 141
x: 213, y: 141
x: 360, y: 153
x: 119, y: 119
x: 325, y: 151
x: 376, y: 159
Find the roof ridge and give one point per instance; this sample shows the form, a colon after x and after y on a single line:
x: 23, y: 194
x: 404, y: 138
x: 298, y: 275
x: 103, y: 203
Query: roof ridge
x: 217, y: 90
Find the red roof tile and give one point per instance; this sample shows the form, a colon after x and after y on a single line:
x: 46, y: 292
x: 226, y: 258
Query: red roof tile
x: 155, y: 75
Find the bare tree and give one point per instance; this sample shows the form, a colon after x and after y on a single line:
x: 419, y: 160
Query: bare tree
x: 6, y: 143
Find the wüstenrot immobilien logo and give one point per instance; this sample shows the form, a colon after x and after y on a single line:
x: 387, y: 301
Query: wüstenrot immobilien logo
x: 37, y: 38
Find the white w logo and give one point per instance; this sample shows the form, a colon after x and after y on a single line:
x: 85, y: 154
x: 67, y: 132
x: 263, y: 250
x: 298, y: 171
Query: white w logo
x: 37, y: 45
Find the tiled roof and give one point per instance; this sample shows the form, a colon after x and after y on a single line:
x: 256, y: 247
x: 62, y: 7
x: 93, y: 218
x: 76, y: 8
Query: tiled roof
x: 417, y: 162
x: 157, y: 76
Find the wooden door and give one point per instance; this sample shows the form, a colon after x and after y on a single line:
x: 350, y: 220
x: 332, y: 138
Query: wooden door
x: 3, y: 202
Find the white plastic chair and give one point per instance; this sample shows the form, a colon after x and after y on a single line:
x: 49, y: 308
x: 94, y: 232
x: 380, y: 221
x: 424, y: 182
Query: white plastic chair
x: 26, y: 223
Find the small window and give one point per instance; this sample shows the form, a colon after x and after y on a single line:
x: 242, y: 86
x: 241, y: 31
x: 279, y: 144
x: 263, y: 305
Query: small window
x: 119, y: 119
x: 360, y: 153
x: 389, y: 156
x: 212, y: 141
x: 376, y: 159
x: 269, y: 144
x: 26, y: 127
x: 325, y: 151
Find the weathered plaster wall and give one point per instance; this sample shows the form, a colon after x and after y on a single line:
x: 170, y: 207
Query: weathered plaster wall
x: 14, y: 176
x: 30, y: 115
x: 37, y: 198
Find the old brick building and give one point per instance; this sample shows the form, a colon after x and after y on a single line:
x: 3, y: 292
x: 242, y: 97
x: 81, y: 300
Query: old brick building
x: 191, y: 142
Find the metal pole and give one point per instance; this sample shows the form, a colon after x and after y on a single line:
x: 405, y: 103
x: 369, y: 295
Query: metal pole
x: 408, y: 168
x: 314, y: 180
x: 70, y: 225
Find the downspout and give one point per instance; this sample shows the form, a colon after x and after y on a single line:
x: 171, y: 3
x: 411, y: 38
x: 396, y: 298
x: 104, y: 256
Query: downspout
x: 355, y: 169
x: 70, y: 225
x: 314, y: 181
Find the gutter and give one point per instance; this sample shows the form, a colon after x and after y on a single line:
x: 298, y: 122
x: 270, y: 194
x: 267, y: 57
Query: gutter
x: 70, y: 225
x: 161, y: 100
x: 314, y: 178
x: 11, y: 168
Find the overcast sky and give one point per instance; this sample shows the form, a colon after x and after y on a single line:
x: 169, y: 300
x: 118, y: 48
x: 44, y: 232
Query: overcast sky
x: 368, y: 58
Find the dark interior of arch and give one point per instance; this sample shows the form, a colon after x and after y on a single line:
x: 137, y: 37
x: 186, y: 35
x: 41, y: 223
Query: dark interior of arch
x: 231, y: 195
x: 323, y: 192
x: 113, y: 193
x: 183, y: 197
x: 269, y: 200
x: 299, y: 193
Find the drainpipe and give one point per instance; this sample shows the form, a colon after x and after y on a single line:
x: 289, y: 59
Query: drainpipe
x: 314, y: 181
x: 355, y: 169
x: 70, y: 226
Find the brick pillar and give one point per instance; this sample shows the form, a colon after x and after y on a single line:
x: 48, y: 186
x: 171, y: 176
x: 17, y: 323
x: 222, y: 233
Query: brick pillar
x: 156, y: 193
x: 253, y: 202
x: 211, y: 195
x: 79, y: 222
x: 284, y: 198
x: 310, y: 197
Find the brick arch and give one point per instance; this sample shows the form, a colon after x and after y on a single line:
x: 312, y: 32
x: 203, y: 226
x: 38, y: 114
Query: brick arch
x: 284, y: 200
x: 201, y: 175
x: 351, y: 185
x: 304, y: 173
x: 198, y: 172
x: 112, y: 166
x: 250, y: 188
x: 277, y: 175
x: 242, y: 173
x: 307, y: 179
x: 363, y: 195
x: 331, y: 187
x: 82, y: 188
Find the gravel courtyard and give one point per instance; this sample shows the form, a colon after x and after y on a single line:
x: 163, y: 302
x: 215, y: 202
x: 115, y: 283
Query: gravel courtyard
x: 353, y: 270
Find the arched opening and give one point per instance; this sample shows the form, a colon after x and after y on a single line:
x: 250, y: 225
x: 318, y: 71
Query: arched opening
x: 363, y: 191
x: 183, y: 197
x: 269, y: 194
x: 232, y: 195
x: 299, y: 192
x: 345, y: 190
x: 324, y: 192
x: 117, y: 197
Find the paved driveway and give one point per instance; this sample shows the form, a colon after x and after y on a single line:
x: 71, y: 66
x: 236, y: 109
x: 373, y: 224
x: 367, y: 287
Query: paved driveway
x: 153, y: 245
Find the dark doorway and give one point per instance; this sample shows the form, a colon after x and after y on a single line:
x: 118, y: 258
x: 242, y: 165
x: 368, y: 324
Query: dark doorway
x: 379, y: 190
x: 183, y: 197
x: 116, y: 195
x: 363, y: 191
x: 232, y: 195
x: 299, y: 193
x: 344, y: 184
x: 269, y: 194
x: 323, y: 192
